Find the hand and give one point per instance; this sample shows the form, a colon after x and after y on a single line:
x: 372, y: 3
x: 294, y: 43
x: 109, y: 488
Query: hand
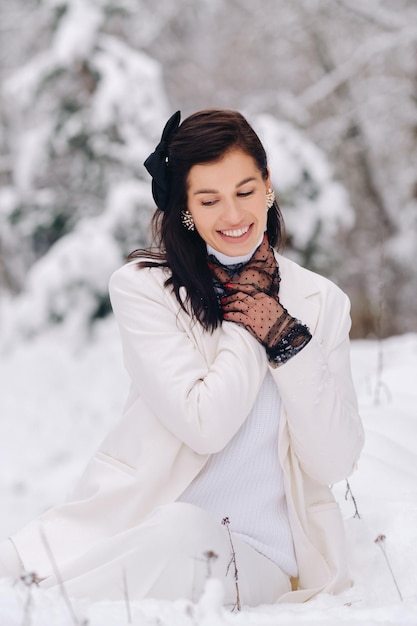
x: 251, y: 300
x: 260, y: 313
x: 282, y: 335
x: 261, y: 272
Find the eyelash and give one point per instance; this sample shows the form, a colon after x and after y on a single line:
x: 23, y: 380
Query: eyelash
x: 242, y: 194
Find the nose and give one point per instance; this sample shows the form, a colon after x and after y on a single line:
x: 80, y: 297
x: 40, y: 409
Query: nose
x: 232, y: 214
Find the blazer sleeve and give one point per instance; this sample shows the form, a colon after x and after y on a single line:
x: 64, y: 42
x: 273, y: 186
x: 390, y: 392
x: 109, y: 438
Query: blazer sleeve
x: 319, y: 398
x: 203, y: 404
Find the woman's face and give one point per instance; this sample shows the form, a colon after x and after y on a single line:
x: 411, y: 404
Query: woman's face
x: 227, y: 201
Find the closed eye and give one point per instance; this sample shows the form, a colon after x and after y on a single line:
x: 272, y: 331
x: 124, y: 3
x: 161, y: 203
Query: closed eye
x: 245, y: 194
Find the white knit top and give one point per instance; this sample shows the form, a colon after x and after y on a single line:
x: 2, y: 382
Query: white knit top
x: 244, y: 481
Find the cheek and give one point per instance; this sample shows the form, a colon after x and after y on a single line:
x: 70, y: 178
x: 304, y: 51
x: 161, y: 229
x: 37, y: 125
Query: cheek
x: 202, y: 222
x: 202, y: 215
x: 262, y: 213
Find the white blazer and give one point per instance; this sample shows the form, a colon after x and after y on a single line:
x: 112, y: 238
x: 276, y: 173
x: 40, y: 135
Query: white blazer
x: 191, y: 390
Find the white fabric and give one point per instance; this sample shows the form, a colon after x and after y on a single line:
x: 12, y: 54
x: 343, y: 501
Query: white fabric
x: 244, y: 482
x: 232, y: 260
x: 165, y: 558
x: 191, y: 391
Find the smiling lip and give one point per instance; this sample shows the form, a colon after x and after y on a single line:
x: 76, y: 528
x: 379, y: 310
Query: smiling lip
x: 236, y: 233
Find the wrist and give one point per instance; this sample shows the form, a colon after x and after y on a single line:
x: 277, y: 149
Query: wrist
x: 290, y: 344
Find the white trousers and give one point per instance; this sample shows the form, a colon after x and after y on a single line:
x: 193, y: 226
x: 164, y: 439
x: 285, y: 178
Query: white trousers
x: 167, y: 557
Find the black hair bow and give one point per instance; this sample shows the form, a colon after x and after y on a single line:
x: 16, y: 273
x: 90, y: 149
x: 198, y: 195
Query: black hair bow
x: 157, y: 163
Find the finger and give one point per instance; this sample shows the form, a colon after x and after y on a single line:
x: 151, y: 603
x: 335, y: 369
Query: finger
x: 232, y: 298
x: 245, y: 294
x: 259, y: 271
x: 238, y: 306
x: 238, y: 318
x: 249, y: 289
x: 254, y: 274
x: 262, y: 276
x: 219, y: 273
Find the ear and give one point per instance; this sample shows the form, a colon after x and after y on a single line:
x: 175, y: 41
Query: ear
x: 268, y: 180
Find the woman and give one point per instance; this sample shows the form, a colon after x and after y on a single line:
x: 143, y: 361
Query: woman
x: 241, y: 410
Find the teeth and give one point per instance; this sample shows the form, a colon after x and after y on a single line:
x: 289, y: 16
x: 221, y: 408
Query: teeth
x: 235, y: 233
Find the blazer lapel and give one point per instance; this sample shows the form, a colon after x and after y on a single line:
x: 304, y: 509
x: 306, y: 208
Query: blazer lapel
x: 299, y: 292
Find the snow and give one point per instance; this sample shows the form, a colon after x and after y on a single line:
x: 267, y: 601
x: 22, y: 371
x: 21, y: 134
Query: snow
x: 77, y: 31
x: 124, y: 72
x: 32, y: 148
x: 309, y: 195
x: 66, y: 283
x: 58, y: 400
x: 70, y: 281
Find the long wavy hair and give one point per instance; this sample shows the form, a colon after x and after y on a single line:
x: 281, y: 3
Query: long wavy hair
x: 204, y: 137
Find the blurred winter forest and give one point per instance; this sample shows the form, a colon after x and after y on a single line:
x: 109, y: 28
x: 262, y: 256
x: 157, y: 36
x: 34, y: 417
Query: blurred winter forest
x: 86, y: 86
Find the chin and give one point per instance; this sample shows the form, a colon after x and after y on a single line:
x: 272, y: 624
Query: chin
x: 236, y: 250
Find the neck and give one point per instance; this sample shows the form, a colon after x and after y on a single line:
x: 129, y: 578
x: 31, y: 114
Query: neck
x: 224, y: 259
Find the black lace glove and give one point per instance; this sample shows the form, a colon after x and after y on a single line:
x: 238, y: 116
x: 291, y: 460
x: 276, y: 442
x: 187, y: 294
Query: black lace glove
x: 251, y: 300
x: 267, y: 320
x: 261, y: 271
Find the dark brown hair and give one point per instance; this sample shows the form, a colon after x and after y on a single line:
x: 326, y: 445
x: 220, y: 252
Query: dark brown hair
x: 204, y: 137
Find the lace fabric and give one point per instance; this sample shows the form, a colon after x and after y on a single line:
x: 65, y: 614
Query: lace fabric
x: 248, y: 296
x: 290, y: 344
x: 261, y: 271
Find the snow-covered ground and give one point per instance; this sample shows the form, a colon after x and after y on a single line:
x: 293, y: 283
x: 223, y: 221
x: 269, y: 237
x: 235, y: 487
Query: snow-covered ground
x: 58, y: 399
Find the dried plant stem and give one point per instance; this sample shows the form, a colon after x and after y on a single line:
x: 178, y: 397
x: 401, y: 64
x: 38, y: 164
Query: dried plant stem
x: 126, y: 596
x: 210, y: 556
x: 226, y: 522
x: 29, y: 579
x: 349, y: 492
x: 380, y: 541
x: 379, y: 382
x: 59, y: 580
x: 28, y: 605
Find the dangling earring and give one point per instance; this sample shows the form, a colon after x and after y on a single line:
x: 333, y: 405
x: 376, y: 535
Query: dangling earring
x: 270, y: 198
x: 187, y: 220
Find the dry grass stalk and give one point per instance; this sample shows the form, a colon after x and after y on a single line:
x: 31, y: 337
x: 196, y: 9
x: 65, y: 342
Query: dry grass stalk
x: 226, y: 522
x: 348, y: 493
x: 380, y: 541
x: 61, y: 585
x: 380, y: 385
x: 210, y: 556
x: 29, y: 579
x: 126, y: 597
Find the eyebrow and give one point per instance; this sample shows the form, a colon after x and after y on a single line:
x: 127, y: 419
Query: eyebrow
x: 242, y: 182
